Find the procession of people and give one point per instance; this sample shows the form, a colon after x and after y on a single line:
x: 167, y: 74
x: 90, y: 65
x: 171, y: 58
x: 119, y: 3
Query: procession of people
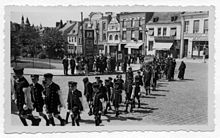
x: 102, y: 96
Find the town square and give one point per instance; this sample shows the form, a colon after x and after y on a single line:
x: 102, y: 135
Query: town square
x: 110, y: 69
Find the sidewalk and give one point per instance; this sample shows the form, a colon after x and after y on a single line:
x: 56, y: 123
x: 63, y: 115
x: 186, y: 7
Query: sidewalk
x: 59, y: 72
x: 191, y: 60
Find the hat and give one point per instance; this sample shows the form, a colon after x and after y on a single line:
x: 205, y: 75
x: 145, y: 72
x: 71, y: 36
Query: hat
x: 100, y: 81
x: 18, y: 70
x: 48, y: 75
x: 110, y: 78
x: 34, y: 76
x: 85, y: 79
x: 97, y: 77
x: 138, y: 72
x: 106, y: 80
x: 129, y: 68
x: 72, y: 83
x: 95, y: 85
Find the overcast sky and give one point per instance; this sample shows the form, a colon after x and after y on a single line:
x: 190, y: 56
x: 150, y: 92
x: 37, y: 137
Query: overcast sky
x: 48, y: 16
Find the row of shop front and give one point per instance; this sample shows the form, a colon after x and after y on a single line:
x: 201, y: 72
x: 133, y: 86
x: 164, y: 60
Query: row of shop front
x: 161, y: 48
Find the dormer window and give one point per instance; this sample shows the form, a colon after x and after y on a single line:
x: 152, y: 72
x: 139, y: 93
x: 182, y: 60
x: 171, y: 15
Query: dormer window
x: 173, y: 18
x: 155, y: 19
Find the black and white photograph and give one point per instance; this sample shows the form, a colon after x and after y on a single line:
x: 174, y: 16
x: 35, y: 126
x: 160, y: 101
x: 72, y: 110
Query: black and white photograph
x: 80, y: 67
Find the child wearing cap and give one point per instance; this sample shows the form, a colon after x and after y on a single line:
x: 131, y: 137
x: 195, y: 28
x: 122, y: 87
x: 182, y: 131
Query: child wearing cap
x: 22, y: 98
x: 37, y: 96
x: 74, y: 102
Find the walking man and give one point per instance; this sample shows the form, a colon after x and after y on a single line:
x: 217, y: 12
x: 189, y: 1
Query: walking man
x: 53, y: 99
x: 182, y: 70
x: 88, y: 92
x: 116, y: 97
x: 129, y: 82
x: 72, y: 65
x: 65, y: 65
x: 37, y: 97
x: 97, y: 104
x: 22, y: 98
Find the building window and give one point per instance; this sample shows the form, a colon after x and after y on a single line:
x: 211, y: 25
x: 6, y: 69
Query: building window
x: 205, y: 30
x: 72, y: 39
x: 186, y: 26
x: 173, y: 18
x: 104, y: 25
x: 140, y: 36
x: 116, y: 37
x: 112, y: 27
x: 132, y: 22
x: 164, y: 31
x: 132, y: 35
x: 172, y: 31
x: 104, y: 37
x: 79, y: 41
x: 124, y: 35
x: 86, y: 25
x: 151, y: 32
x: 150, y: 45
x: 196, y: 26
x: 110, y: 37
x: 75, y: 39
x: 155, y: 19
x: 123, y: 23
x: 139, y: 22
x: 158, y: 31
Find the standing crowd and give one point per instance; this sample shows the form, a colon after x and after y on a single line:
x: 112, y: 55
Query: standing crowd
x: 85, y: 65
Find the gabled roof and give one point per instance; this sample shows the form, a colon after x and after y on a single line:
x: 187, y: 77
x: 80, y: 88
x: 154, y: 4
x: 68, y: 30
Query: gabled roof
x: 69, y: 25
x: 75, y: 29
x: 164, y: 17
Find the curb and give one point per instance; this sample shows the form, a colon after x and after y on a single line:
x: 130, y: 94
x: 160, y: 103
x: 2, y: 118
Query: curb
x: 81, y: 74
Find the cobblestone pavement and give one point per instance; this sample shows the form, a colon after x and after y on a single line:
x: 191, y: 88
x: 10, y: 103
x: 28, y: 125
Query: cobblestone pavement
x: 179, y: 102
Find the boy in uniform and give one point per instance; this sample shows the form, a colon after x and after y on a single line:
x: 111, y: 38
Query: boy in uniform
x: 53, y: 99
x: 22, y: 98
x: 74, y: 102
x: 97, y: 104
x: 37, y: 97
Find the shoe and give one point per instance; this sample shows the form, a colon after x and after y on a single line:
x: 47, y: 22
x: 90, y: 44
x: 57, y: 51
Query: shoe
x: 36, y: 122
x: 63, y: 122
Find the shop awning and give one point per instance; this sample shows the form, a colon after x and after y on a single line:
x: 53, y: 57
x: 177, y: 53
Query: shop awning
x: 133, y: 45
x: 162, y: 46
